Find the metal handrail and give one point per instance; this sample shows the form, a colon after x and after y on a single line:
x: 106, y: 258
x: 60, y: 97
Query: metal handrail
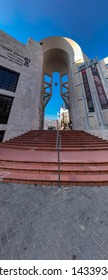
x: 58, y: 147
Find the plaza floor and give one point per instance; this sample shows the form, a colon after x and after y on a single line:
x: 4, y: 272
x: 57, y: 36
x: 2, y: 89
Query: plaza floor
x: 43, y: 222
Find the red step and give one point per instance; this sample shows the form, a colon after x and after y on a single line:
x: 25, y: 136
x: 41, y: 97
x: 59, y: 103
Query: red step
x: 52, y: 179
x: 32, y: 158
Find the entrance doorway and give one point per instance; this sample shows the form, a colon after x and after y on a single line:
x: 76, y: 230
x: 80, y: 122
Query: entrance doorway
x: 55, y: 100
x: 55, y: 97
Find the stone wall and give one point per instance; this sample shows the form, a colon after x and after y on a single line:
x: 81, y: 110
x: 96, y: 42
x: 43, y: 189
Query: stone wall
x: 35, y: 59
x: 27, y: 61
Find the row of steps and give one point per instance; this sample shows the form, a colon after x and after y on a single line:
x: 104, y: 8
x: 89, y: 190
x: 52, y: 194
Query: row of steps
x: 53, y: 169
x: 48, y: 178
x: 87, y: 172
x: 45, y: 140
x: 52, y: 179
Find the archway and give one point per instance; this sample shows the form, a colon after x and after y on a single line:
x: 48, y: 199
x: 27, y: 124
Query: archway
x: 55, y: 61
x: 55, y: 102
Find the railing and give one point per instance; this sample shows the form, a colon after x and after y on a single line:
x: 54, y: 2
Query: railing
x: 58, y: 147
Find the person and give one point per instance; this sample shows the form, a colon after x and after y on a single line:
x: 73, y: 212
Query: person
x: 62, y: 126
x: 70, y: 124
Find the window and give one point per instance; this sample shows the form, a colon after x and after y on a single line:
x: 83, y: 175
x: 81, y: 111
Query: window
x: 8, y: 79
x: 5, y: 107
x: 1, y: 135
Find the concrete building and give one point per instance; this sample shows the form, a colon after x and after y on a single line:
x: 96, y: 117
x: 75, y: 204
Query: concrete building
x: 63, y: 118
x: 50, y: 124
x: 24, y: 91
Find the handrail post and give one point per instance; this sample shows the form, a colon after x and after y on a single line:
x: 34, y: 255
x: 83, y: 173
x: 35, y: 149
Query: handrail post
x: 58, y: 147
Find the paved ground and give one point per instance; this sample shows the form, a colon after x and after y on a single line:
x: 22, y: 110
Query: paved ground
x: 42, y: 222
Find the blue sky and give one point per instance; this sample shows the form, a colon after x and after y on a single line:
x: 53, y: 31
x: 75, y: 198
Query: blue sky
x: 85, y: 21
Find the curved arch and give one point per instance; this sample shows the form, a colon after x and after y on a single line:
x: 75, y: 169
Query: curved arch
x: 71, y: 47
x: 60, y: 54
x: 55, y: 60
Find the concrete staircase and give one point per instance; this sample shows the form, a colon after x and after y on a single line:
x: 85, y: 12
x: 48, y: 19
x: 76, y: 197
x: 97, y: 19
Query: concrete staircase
x: 70, y: 140
x: 32, y: 158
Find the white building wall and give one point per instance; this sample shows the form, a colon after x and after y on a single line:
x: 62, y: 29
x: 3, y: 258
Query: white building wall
x: 24, y: 115
x: 26, y: 111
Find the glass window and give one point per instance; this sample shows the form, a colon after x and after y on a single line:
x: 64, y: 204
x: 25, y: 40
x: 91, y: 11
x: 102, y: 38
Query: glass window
x: 5, y: 107
x: 1, y: 135
x: 8, y: 79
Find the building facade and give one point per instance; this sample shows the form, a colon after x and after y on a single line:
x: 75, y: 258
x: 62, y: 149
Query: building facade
x: 25, y: 91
